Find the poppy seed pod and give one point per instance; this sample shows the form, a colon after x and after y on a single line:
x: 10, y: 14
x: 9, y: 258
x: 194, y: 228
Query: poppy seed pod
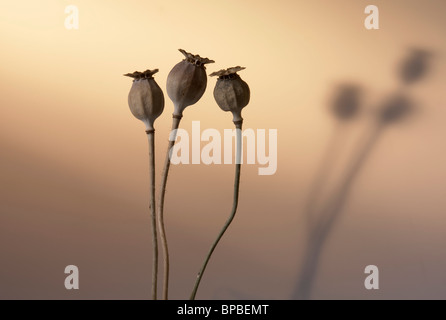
x: 187, y: 81
x: 146, y: 99
x: 231, y: 93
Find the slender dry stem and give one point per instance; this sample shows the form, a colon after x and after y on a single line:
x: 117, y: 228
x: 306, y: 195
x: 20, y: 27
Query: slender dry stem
x: 151, y: 140
x: 175, y: 124
x: 238, y: 126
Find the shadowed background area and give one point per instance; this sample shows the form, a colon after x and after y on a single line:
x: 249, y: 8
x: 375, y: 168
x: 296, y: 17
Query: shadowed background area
x: 74, y: 161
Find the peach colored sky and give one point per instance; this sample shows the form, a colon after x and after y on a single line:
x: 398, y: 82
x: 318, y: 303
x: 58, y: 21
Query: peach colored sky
x: 74, y: 161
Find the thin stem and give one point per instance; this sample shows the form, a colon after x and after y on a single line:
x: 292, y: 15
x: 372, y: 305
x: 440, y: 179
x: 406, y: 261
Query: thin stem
x: 151, y: 140
x: 238, y: 126
x: 175, y: 124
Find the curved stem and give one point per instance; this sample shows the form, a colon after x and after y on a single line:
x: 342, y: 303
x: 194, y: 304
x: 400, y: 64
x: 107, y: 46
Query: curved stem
x: 238, y: 126
x: 175, y: 124
x: 151, y: 140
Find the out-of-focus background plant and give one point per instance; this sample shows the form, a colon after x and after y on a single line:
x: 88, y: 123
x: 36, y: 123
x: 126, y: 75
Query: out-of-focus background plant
x: 66, y: 134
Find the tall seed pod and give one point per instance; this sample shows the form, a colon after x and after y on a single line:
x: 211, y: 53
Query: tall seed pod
x: 231, y: 94
x: 187, y: 81
x: 186, y: 84
x: 146, y: 102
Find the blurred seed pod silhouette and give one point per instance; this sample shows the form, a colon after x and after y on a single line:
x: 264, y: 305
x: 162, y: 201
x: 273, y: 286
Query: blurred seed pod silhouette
x: 346, y: 102
x: 395, y: 108
x: 414, y: 66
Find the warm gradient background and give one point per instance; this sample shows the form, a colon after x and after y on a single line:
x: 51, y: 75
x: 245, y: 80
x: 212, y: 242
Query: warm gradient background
x: 74, y: 162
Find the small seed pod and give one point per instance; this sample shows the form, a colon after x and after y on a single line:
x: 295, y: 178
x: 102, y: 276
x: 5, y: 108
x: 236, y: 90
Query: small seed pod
x: 146, y: 99
x: 187, y: 81
x: 231, y: 93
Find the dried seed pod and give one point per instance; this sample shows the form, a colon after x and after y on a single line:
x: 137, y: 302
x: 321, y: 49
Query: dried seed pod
x: 187, y: 81
x: 231, y: 93
x: 146, y: 99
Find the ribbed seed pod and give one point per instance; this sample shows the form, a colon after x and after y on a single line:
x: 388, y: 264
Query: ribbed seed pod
x: 146, y: 99
x: 187, y: 81
x: 395, y: 108
x: 231, y: 93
